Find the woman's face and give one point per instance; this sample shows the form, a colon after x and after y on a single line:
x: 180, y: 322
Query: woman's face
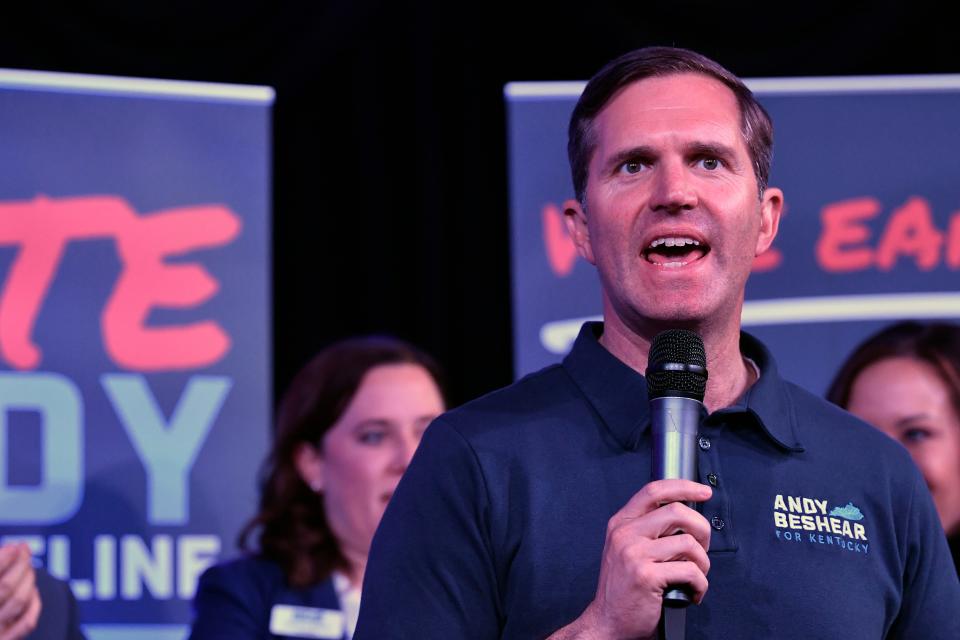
x: 907, y: 400
x: 364, y: 453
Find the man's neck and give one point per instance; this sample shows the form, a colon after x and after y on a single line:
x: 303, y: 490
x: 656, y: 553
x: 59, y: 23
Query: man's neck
x: 729, y: 374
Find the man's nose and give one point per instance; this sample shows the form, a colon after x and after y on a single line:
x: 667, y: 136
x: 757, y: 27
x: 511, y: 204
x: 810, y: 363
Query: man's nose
x: 673, y: 189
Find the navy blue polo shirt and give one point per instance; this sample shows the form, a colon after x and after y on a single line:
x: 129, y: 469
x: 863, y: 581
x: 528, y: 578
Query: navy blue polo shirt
x: 822, y: 526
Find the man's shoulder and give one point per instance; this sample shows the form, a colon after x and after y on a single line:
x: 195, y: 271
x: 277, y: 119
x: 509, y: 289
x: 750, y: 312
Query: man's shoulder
x: 544, y: 397
x: 823, y: 426
x: 535, y: 392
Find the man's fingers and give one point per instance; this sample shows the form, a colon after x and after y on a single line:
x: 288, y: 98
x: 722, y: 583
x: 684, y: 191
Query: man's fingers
x: 21, y: 598
x: 682, y: 547
x: 15, y: 573
x: 654, y: 541
x: 635, y: 551
x: 660, y: 492
x: 682, y: 573
x: 9, y: 554
x: 667, y: 520
x: 14, y: 557
x: 674, y: 518
x: 27, y: 622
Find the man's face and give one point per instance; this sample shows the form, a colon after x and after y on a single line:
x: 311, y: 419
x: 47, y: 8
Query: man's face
x: 672, y: 215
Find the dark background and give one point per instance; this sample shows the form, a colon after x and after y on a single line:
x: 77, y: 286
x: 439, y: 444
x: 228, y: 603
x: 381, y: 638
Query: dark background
x: 390, y: 196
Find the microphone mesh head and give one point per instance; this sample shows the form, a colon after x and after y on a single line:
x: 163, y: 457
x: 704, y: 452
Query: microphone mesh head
x: 677, y: 365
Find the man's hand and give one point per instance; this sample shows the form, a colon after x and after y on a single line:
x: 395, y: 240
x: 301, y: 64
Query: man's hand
x: 642, y: 556
x: 19, y: 599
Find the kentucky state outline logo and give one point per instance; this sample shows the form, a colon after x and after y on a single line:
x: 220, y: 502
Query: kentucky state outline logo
x: 803, y: 520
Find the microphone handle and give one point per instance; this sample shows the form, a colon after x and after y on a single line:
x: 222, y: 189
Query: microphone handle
x: 676, y: 423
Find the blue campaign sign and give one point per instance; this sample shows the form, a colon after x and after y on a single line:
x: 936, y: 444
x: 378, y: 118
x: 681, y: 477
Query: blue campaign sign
x: 871, y: 231
x: 134, y: 334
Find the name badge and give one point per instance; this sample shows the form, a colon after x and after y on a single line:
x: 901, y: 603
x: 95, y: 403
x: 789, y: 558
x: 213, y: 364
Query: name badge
x: 306, y: 622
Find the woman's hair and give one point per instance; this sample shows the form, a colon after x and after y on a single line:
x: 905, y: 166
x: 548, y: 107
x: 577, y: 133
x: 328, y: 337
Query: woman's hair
x: 936, y: 343
x: 293, y: 528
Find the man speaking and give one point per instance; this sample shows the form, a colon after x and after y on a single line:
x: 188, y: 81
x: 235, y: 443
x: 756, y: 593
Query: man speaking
x: 531, y: 512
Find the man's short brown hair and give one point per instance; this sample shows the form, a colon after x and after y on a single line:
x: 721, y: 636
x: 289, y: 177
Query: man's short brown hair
x: 755, y: 123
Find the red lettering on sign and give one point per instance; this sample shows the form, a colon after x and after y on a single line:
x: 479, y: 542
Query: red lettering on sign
x: 953, y: 242
x: 767, y: 261
x: 43, y: 227
x: 841, y: 244
x: 910, y: 232
x: 561, y: 252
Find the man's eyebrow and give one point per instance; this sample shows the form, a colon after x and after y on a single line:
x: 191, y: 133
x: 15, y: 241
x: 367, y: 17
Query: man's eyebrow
x: 641, y: 152
x: 711, y: 149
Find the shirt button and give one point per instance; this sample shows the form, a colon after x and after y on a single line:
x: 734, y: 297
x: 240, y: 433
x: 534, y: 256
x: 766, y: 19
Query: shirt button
x: 704, y: 443
x: 717, y: 523
x: 712, y: 479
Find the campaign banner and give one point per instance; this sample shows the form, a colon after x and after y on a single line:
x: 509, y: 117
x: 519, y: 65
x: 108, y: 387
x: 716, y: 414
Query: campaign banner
x: 134, y: 334
x: 870, y: 235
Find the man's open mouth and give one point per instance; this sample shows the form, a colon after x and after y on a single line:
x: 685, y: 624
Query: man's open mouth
x: 675, y: 251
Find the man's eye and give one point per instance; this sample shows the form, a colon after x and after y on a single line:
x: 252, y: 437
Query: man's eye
x: 710, y: 164
x: 632, y: 167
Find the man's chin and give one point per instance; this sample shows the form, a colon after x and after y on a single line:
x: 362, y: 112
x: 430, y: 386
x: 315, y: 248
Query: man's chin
x: 687, y: 308
x: 649, y: 322
x: 676, y: 313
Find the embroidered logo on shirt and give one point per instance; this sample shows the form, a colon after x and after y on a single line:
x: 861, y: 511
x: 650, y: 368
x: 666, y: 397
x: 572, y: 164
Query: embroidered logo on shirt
x: 849, y: 512
x: 803, y: 520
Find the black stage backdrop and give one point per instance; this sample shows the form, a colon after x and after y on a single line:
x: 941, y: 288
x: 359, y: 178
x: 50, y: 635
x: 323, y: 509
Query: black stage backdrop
x: 390, y: 196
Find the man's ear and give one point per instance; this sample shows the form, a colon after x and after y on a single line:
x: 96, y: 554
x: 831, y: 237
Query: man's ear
x: 575, y: 217
x: 771, y: 208
x: 309, y: 463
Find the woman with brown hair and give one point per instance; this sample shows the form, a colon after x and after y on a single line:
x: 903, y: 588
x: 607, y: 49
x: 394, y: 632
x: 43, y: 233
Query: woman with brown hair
x: 905, y: 380
x: 346, y: 430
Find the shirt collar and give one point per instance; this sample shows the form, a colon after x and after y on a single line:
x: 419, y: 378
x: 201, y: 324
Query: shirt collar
x: 619, y: 394
x: 768, y: 400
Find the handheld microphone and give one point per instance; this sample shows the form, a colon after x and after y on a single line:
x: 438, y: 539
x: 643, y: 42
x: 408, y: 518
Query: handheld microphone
x: 676, y: 381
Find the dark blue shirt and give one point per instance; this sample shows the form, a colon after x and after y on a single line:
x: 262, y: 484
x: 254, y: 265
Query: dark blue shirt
x: 58, y: 619
x: 822, y: 526
x: 249, y: 599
